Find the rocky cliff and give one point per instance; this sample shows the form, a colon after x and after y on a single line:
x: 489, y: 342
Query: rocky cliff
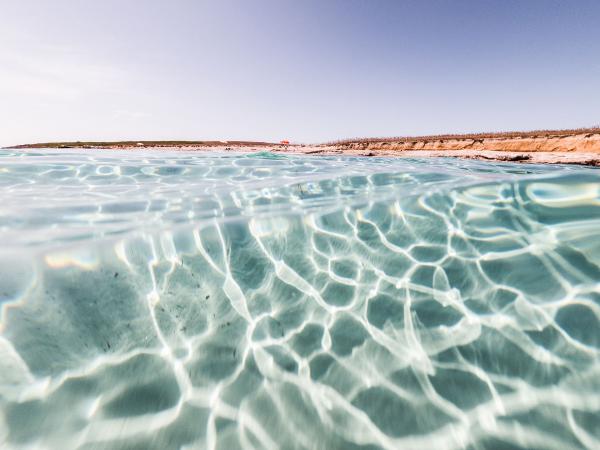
x: 580, y: 142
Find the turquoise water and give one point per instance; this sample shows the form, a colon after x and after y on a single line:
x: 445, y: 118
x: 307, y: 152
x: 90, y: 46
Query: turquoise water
x: 167, y: 300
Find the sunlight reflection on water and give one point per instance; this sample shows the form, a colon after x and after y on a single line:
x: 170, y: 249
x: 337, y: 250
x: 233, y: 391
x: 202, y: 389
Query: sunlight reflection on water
x: 190, y: 300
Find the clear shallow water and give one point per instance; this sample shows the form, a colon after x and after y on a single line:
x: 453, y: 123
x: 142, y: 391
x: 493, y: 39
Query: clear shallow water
x: 186, y: 300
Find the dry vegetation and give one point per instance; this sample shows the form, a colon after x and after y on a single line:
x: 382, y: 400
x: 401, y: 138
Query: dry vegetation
x: 474, y: 136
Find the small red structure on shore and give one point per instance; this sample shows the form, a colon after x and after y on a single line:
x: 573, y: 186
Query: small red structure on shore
x: 284, y: 142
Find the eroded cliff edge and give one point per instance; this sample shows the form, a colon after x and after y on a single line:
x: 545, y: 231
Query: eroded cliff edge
x: 566, y: 147
x: 569, y: 142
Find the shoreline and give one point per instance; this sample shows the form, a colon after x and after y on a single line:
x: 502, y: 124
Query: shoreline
x: 577, y: 157
x: 581, y: 146
x: 591, y: 159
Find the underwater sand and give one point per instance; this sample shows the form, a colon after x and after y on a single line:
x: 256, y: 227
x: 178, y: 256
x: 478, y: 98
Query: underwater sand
x: 166, y: 300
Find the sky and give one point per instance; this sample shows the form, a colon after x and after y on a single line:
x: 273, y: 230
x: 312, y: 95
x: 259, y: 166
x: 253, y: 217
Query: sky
x: 308, y: 71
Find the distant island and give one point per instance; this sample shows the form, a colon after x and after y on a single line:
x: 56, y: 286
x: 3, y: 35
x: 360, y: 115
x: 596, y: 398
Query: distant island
x: 573, y: 146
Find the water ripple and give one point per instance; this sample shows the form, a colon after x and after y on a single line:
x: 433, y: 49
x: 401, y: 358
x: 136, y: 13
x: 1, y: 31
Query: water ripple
x: 185, y: 300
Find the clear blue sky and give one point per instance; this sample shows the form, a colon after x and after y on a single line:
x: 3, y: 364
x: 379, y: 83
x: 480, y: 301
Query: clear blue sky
x: 309, y: 70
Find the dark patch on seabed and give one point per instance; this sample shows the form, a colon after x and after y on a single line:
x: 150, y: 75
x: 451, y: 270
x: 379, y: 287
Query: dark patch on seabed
x: 179, y: 300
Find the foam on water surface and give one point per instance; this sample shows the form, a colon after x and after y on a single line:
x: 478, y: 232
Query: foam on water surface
x: 187, y: 300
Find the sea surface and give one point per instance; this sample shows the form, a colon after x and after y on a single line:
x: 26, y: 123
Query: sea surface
x: 179, y: 300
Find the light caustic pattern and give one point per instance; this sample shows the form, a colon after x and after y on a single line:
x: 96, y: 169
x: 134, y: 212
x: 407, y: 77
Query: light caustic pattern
x: 178, y: 300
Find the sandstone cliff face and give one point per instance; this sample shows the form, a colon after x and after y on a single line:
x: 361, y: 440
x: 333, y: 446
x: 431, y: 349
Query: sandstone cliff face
x: 588, y: 143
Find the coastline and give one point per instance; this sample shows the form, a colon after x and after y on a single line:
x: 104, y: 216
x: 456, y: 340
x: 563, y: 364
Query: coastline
x: 538, y: 147
x: 576, y: 157
x: 580, y: 147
